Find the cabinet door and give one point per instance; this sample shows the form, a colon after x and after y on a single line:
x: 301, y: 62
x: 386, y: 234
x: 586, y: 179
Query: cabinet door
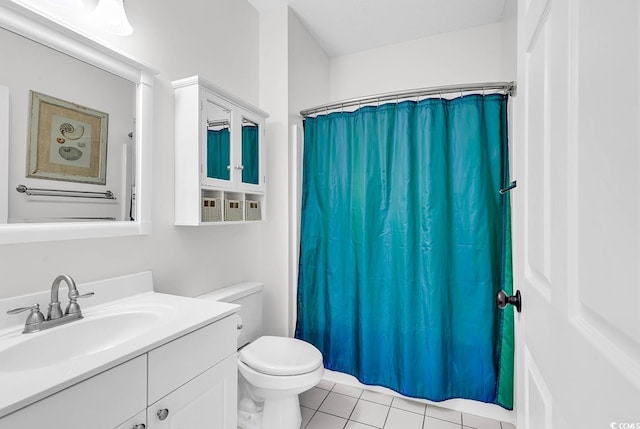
x: 251, y: 169
x: 102, y: 402
x: 181, y: 360
x: 218, y: 157
x: 139, y: 421
x: 208, y: 401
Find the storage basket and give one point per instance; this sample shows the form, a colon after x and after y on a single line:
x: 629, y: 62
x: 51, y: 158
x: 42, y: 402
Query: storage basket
x: 211, y: 210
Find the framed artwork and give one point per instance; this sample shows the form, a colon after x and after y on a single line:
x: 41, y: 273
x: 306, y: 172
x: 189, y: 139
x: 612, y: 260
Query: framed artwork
x: 66, y: 141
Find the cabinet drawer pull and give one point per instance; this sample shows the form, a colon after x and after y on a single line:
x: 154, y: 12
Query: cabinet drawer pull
x: 140, y: 426
x: 162, y: 414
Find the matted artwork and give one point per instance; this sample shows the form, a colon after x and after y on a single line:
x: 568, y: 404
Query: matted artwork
x: 66, y: 141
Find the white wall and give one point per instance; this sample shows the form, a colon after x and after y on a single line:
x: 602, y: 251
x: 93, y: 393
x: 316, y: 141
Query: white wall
x: 294, y: 72
x: 510, y: 39
x: 309, y: 85
x: 273, y: 98
x: 473, y: 55
x: 309, y: 69
x: 217, y: 39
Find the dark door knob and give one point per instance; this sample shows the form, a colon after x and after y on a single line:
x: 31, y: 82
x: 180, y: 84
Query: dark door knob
x: 516, y: 300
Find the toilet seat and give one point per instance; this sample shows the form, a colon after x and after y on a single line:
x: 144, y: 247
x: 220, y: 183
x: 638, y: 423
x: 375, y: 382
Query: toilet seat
x: 281, y: 356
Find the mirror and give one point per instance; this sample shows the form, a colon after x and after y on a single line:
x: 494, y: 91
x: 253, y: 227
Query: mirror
x: 76, y: 123
x: 73, y: 137
x: 218, y: 120
x: 250, y: 152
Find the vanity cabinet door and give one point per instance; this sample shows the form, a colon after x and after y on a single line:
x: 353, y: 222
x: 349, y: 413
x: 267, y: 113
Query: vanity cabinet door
x: 177, y: 362
x: 207, y: 401
x: 104, y: 401
x: 139, y: 421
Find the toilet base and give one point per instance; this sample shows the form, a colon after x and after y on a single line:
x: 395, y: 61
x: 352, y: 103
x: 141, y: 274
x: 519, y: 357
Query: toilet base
x: 271, y: 402
x: 282, y: 413
x: 279, y: 413
x: 247, y: 420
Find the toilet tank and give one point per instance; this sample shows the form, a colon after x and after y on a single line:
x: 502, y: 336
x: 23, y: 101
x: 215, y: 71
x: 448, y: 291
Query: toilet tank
x: 249, y: 296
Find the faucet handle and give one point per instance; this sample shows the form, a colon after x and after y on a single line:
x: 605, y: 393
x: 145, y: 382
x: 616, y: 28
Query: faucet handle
x: 34, y: 317
x: 75, y: 295
x: 16, y: 310
x: 73, y: 306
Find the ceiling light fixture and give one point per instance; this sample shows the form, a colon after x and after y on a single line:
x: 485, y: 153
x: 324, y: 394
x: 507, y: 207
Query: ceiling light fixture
x: 110, y: 16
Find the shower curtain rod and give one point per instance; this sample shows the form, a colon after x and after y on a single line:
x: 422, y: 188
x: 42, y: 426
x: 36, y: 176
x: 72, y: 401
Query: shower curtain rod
x: 507, y: 87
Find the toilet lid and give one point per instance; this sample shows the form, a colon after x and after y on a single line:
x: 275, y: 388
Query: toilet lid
x: 281, y: 356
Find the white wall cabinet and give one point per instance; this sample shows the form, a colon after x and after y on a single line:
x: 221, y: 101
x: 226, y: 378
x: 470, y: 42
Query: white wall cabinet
x: 220, y: 166
x: 190, y: 382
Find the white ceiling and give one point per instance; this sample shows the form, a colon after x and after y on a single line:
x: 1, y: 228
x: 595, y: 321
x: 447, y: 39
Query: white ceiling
x: 347, y: 26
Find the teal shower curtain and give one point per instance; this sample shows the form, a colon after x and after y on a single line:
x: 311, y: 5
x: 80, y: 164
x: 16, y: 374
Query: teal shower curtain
x: 218, y: 155
x: 250, y: 155
x: 405, y: 242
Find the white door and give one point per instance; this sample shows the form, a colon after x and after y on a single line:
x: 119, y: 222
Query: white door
x: 577, y: 214
x: 206, y: 402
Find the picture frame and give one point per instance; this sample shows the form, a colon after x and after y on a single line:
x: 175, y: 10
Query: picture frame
x: 67, y: 141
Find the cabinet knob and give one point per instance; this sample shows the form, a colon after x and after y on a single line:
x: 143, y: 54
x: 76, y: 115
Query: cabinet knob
x: 239, y: 167
x: 162, y: 414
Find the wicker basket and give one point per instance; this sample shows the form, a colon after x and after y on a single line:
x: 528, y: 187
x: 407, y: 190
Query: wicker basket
x: 211, y: 210
x: 254, y: 210
x: 232, y: 210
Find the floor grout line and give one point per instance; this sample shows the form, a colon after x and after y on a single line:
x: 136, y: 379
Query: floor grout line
x: 387, y: 416
x: 388, y: 410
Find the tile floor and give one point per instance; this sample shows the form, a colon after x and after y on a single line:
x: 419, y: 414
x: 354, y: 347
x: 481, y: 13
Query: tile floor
x: 336, y: 406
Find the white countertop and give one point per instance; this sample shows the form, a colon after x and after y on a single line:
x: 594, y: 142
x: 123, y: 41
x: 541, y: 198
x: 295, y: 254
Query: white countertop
x: 123, y: 295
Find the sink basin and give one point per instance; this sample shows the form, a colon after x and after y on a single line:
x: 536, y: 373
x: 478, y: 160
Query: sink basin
x: 94, y: 333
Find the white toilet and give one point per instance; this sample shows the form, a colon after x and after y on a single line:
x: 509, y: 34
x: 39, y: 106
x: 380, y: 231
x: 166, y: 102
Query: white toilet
x: 272, y: 371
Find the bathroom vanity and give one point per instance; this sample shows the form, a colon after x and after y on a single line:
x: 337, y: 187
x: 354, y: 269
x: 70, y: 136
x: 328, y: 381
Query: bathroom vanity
x: 138, y: 359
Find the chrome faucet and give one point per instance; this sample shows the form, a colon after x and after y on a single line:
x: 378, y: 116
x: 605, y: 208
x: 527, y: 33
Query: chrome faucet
x: 36, y: 321
x: 55, y: 311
